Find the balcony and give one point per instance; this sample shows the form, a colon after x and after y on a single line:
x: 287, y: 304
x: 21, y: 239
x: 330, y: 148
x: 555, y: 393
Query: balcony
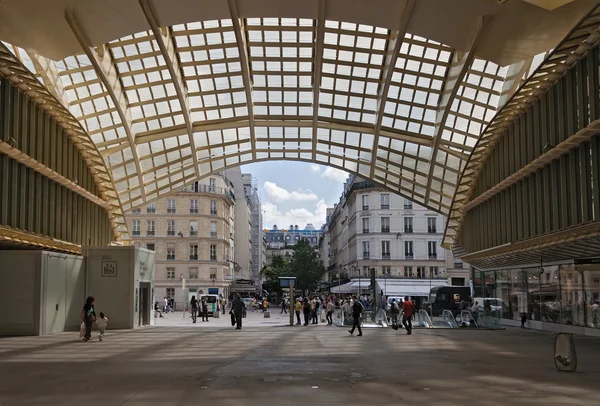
x: 213, y: 212
x: 408, y: 207
x: 385, y: 229
x: 135, y: 233
x: 171, y: 211
x: 385, y: 206
x: 213, y: 234
x: 366, y: 255
x: 385, y: 255
x: 193, y: 233
x: 171, y: 233
x: 432, y: 255
x: 365, y: 231
x: 150, y: 233
x: 206, y: 189
x: 365, y: 207
x: 213, y: 259
x: 193, y: 257
x: 170, y: 257
x: 409, y: 255
x: 408, y: 229
x: 432, y: 230
x: 193, y: 211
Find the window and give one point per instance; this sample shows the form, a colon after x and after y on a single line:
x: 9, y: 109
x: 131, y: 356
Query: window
x: 385, y: 249
x: 137, y: 211
x: 170, y: 227
x: 213, y: 273
x: 408, y: 249
x: 193, y: 251
x: 365, y: 202
x: 171, y: 206
x: 195, y: 187
x: 386, y: 270
x: 385, y: 201
x: 432, y: 249
x: 193, y: 206
x: 366, y: 251
x: 213, y: 252
x: 365, y: 224
x: 420, y: 272
x: 135, y: 227
x: 433, y: 271
x: 151, y: 208
x: 170, y: 273
x: 151, y: 229
x: 408, y: 224
x: 193, y: 272
x: 150, y: 246
x: 408, y: 205
x: 213, y: 207
x: 408, y: 272
x: 458, y: 264
x: 385, y: 224
x: 171, y: 292
x: 431, y: 225
x: 213, y: 229
x: 211, y: 185
x: 170, y: 251
x: 193, y: 227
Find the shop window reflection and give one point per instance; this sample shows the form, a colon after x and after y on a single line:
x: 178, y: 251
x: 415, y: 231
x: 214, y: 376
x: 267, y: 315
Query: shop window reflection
x: 572, y: 298
x: 550, y: 294
x: 532, y: 276
x: 591, y: 279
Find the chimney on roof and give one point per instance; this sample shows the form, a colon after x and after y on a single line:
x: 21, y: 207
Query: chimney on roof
x: 296, y: 227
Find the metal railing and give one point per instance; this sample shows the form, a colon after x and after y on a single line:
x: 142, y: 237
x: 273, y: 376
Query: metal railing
x: 448, y: 317
x: 423, y: 319
x: 467, y: 319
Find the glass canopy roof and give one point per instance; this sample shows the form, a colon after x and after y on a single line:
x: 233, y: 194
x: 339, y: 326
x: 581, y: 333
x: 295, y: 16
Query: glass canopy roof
x: 167, y: 106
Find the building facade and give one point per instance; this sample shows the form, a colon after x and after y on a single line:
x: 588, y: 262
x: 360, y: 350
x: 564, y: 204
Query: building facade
x: 243, y: 227
x: 281, y: 242
x: 256, y: 226
x: 190, y: 231
x: 373, y: 228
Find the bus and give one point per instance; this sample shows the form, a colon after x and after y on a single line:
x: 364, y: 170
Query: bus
x: 212, y: 303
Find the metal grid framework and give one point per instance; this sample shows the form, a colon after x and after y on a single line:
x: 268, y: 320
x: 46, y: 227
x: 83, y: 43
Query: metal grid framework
x: 169, y: 105
x: 27, y: 73
x: 541, y: 76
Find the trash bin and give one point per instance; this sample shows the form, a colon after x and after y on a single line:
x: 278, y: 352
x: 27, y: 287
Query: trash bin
x: 267, y: 314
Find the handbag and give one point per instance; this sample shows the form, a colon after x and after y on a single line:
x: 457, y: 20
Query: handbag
x: 232, y: 319
x: 82, y: 329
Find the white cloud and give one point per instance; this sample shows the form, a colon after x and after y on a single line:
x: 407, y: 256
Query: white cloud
x: 300, y: 217
x: 335, y: 174
x: 279, y: 194
x: 315, y: 168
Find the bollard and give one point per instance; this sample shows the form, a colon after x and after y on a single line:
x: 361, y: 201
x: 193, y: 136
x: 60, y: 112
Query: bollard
x: 565, y: 356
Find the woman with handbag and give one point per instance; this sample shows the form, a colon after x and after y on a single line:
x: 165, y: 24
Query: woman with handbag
x: 88, y: 317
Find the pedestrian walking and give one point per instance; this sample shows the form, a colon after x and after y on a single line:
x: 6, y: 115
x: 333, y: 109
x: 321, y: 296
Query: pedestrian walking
x: 88, y: 317
x: 102, y: 322
x: 298, y: 308
x: 284, y: 306
x: 314, y: 305
x: 223, y: 303
x: 408, y: 309
x: 194, y: 307
x: 307, y: 309
x: 357, y: 309
x: 204, y: 310
x: 238, y: 307
x: 395, y: 311
x: 329, y: 312
x: 523, y: 319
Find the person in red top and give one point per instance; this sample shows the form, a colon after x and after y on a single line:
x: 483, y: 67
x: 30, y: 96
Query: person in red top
x: 408, y: 309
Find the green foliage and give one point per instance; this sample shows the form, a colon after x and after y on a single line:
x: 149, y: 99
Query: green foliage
x: 271, y: 272
x: 306, y: 266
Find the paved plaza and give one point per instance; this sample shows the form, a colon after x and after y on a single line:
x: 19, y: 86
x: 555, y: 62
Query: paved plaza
x: 211, y: 363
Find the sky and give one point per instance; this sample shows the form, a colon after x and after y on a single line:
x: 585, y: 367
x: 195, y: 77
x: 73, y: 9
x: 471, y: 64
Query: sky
x: 296, y: 193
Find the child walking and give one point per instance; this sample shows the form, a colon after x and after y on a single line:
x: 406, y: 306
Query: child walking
x: 102, y: 322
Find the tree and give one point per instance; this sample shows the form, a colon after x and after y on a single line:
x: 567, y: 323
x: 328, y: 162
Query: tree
x: 271, y: 272
x: 306, y: 266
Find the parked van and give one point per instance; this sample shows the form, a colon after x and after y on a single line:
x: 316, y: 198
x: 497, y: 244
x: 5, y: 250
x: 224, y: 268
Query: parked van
x: 447, y: 298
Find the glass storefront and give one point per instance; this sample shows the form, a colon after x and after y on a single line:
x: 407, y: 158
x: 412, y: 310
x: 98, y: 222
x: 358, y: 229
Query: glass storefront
x: 563, y: 294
